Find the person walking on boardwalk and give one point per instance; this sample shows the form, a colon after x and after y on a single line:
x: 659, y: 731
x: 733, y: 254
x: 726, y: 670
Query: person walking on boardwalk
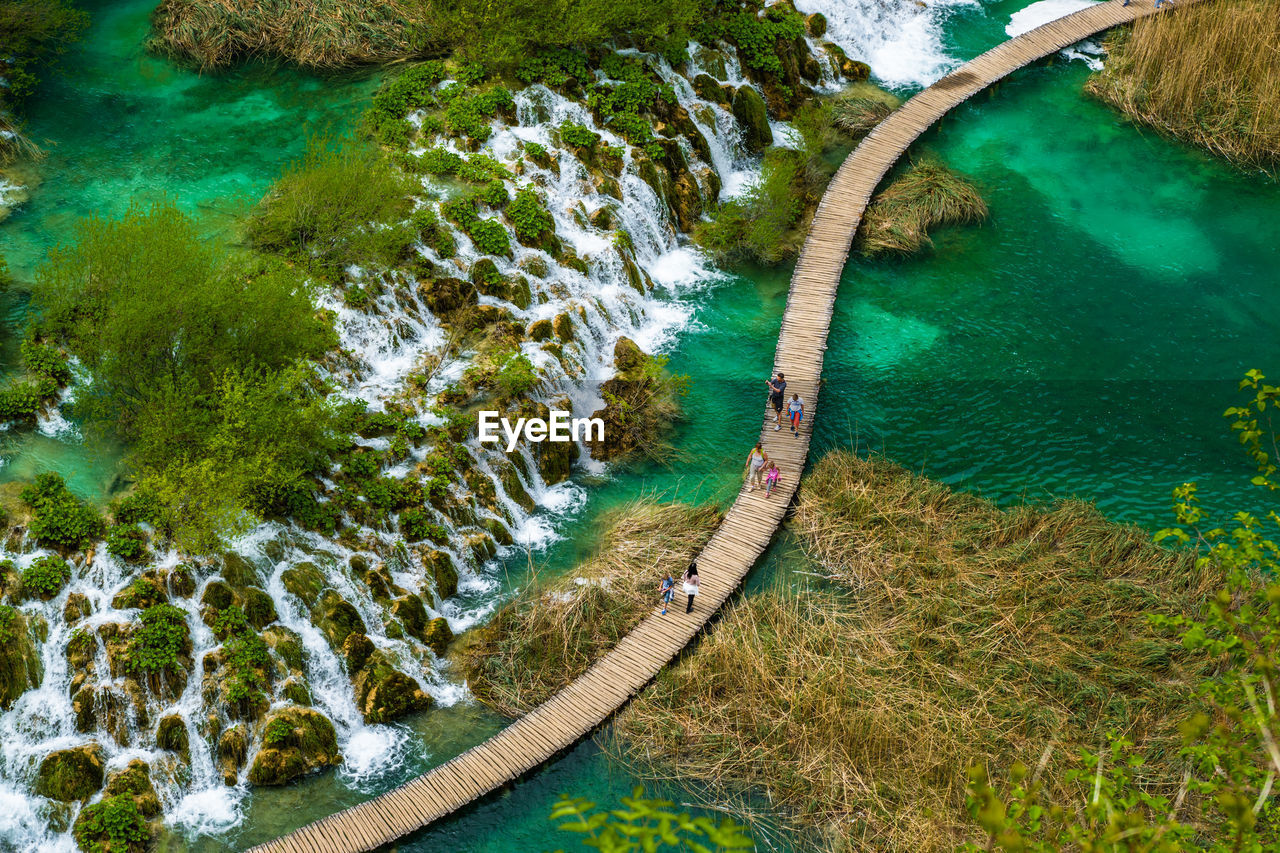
x: 690, y: 580
x: 668, y: 589
x: 755, y: 467
x: 777, y: 393
x: 795, y: 409
x: 771, y: 476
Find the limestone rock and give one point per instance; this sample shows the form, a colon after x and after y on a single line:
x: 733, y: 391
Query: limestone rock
x: 71, y: 774
x: 749, y: 110
x: 295, y: 742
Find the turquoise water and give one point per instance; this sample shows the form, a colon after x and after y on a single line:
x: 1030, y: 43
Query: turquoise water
x: 1081, y: 342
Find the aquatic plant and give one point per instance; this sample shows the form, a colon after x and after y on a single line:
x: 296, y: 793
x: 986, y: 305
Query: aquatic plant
x: 35, y: 33
x: 1208, y: 74
x: 113, y: 825
x: 158, y: 641
x: 126, y: 541
x: 858, y: 116
x: 45, y: 577
x: 552, y: 631
x: 956, y: 633
x: 927, y: 194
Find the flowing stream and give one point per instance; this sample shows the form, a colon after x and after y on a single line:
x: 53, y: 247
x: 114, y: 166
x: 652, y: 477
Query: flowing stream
x: 1082, y: 342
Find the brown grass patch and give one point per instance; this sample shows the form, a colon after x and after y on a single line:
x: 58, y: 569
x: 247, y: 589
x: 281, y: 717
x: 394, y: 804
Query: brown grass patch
x: 551, y: 632
x: 1208, y: 74
x: 959, y: 633
x: 926, y: 195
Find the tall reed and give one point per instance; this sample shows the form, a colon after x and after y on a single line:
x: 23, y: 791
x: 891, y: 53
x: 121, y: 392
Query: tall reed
x: 924, y: 196
x: 955, y: 633
x: 1208, y: 74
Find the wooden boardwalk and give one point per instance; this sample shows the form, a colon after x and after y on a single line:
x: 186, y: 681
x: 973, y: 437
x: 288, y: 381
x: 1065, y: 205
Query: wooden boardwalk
x: 750, y: 524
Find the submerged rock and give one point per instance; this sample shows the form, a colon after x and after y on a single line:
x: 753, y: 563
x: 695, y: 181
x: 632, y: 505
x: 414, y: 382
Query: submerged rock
x: 71, y: 774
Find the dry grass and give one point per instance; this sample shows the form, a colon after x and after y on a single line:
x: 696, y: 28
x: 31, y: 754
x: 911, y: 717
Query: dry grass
x: 552, y: 632
x: 858, y: 116
x: 215, y: 34
x: 1208, y: 74
x: 958, y: 633
x: 927, y: 194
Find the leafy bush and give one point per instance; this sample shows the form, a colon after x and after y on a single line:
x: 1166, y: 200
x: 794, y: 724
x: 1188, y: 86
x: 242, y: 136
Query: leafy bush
x: 35, y: 33
x: 416, y: 524
x: 578, y: 136
x: 59, y: 518
x: 400, y: 96
x: 8, y: 624
x: 127, y: 541
x: 246, y: 658
x: 757, y: 37
x: 516, y: 377
x: 470, y: 114
x: 488, y: 235
x: 555, y: 67
x: 135, y: 508
x: 112, y: 826
x: 277, y: 733
x: 757, y: 226
x: 529, y: 217
x: 324, y: 212
x: 45, y: 360
x: 159, y: 639
x: 20, y: 401
x: 362, y: 464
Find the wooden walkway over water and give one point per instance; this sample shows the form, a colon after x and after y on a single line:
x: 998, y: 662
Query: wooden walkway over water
x: 750, y: 524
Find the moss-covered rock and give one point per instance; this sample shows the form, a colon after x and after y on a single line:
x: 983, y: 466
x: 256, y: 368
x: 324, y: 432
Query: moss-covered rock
x: 259, y: 608
x: 539, y: 330
x: 336, y: 618
x: 445, y: 296
x: 295, y: 741
x: 709, y: 89
x: 850, y: 69
x: 76, y: 608
x: 71, y: 774
x: 287, y: 645
x: 239, y: 572
x: 113, y: 825
x: 135, y: 781
x: 753, y: 118
x: 510, y: 479
x: 296, y: 691
x: 217, y: 596
x: 304, y: 580
x: 233, y: 749
x: 104, y: 708
x: 20, y: 666
x: 383, y: 693
x: 439, y: 567
x: 438, y: 635
x: 181, y: 581
x: 412, y: 615
x: 171, y: 734
x: 816, y: 25
x: 146, y: 590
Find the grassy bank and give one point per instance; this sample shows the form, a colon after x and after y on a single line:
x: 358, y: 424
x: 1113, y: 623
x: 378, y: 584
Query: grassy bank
x: 1208, y: 74
x: 551, y: 632
x: 955, y: 633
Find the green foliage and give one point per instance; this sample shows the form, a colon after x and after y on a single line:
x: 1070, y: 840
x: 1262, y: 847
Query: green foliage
x: 159, y: 640
x: 336, y: 207
x: 516, y: 377
x: 440, y: 161
x: 43, y: 359
x: 416, y: 524
x: 529, y: 217
x: 59, y: 518
x: 1258, y: 434
x: 555, y: 67
x: 411, y: 90
x: 578, y: 136
x: 469, y: 114
x: 622, y: 103
x: 8, y: 624
x: 488, y: 235
x: 127, y: 541
x: 757, y: 225
x: 137, y: 507
x: 20, y: 401
x: 245, y: 656
x: 644, y: 824
x: 757, y: 37
x: 505, y: 35
x: 277, y: 733
x: 35, y: 33
x: 113, y: 825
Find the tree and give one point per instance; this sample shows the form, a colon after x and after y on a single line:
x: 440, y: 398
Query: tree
x: 200, y: 364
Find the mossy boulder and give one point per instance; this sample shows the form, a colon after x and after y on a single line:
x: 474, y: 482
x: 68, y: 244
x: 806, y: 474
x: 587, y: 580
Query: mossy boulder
x: 304, y: 580
x: 816, y: 25
x: 287, y: 645
x: 563, y: 327
x: 296, y: 691
x: 102, y: 708
x: 850, y: 69
x: 233, y: 749
x: 239, y: 572
x: 146, y: 590
x: 114, y: 825
x: 71, y: 774
x: 295, y: 742
x: 383, y: 693
x: 555, y: 460
x: 439, y: 567
x: 539, y: 330
x: 20, y: 662
x: 446, y: 296
x: 259, y: 608
x: 438, y: 635
x: 412, y: 615
x: 76, y: 608
x: 510, y: 479
x: 709, y: 89
x: 217, y: 596
x: 336, y: 618
x: 171, y: 734
x: 181, y: 581
x: 135, y: 781
x: 628, y: 358
x: 753, y: 118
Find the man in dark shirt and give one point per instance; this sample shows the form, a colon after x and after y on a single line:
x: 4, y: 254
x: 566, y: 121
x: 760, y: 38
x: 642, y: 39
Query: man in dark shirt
x: 777, y: 394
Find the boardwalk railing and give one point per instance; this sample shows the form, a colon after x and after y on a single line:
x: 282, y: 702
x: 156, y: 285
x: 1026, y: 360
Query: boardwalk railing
x: 749, y: 525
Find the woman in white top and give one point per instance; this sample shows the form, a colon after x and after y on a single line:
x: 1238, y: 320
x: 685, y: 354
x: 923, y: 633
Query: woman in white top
x: 690, y: 579
x: 755, y: 467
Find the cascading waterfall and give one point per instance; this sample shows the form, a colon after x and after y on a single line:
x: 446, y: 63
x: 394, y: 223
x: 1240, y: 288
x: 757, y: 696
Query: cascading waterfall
x: 395, y: 337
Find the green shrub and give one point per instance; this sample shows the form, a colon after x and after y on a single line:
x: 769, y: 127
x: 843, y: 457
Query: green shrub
x: 45, y: 360
x: 470, y: 114
x: 136, y: 508
x: 529, y: 217
x: 362, y: 464
x: 277, y: 733
x: 578, y: 136
x: 756, y: 37
x: 127, y: 541
x: 488, y: 235
x: 646, y: 824
x: 8, y: 624
x: 355, y: 296
x: 35, y: 33
x: 400, y: 96
x: 324, y: 212
x: 112, y: 826
x: 516, y: 377
x: 555, y: 67
x: 440, y: 161
x: 759, y: 225
x: 159, y: 640
x: 20, y: 401
x: 416, y: 524
x: 59, y: 518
